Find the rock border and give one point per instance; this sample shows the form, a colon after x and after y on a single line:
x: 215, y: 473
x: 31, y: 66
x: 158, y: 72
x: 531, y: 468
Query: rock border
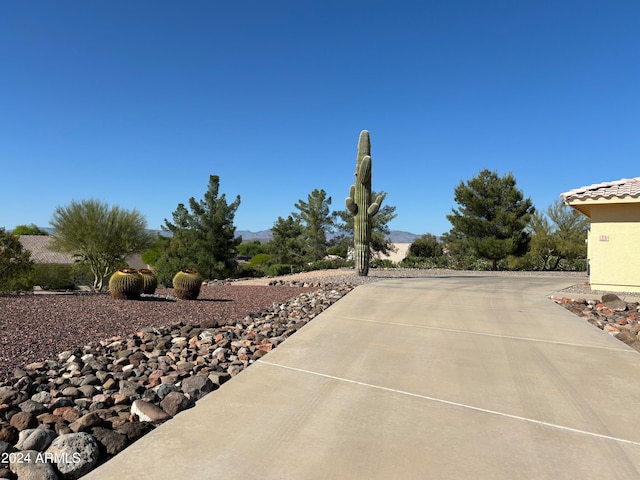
x: 59, y: 419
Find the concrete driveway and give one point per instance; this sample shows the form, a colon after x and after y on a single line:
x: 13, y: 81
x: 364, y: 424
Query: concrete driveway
x: 440, y: 378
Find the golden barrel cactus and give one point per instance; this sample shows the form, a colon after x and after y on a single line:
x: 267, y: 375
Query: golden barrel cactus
x: 149, y: 281
x: 126, y: 284
x: 187, y: 283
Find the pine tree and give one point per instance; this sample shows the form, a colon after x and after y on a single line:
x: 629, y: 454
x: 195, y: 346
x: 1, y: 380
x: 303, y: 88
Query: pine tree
x: 492, y: 216
x: 317, y: 221
x: 203, y: 236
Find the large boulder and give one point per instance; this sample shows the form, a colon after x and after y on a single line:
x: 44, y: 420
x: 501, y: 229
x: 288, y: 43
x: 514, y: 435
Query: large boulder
x: 74, y: 454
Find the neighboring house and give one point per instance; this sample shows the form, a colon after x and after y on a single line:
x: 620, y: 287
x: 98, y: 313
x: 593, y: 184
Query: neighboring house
x: 40, y: 248
x: 397, y: 255
x: 613, y: 248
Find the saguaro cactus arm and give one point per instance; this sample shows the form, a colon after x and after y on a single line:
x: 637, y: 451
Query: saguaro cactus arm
x: 351, y: 201
x: 375, y: 206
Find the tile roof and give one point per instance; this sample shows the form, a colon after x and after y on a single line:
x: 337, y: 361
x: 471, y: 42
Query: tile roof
x: 624, y: 188
x: 40, y: 248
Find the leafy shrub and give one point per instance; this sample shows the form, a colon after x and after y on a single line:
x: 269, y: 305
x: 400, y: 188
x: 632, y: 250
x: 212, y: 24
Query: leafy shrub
x: 260, y: 260
x: 16, y: 268
x: 424, y: 262
x: 382, y: 263
x: 324, y: 265
x: 341, y: 250
x: 54, y: 276
x: 278, y: 269
x: 249, y: 272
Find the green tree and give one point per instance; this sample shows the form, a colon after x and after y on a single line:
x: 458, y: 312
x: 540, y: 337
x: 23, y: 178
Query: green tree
x: 558, y: 237
x: 317, y: 222
x: 99, y: 235
x: 380, y: 243
x: 153, y: 253
x: 492, y: 215
x: 203, y: 236
x: 15, y: 265
x: 426, y: 246
x: 252, y: 248
x: 287, y: 246
x: 30, y: 229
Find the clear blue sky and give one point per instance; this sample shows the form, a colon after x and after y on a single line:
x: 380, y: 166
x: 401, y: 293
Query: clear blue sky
x: 137, y: 103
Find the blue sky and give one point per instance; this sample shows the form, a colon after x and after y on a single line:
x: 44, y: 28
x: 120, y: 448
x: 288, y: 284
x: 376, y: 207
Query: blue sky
x: 137, y: 103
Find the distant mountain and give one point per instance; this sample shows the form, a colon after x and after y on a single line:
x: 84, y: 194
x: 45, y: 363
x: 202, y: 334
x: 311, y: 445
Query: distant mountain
x: 396, y: 236
x: 248, y: 235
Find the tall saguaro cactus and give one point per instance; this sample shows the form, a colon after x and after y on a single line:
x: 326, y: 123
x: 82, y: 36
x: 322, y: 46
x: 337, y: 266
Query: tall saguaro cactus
x: 360, y: 206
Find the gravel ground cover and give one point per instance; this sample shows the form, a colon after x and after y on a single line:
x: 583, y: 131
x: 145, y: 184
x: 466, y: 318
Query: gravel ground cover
x: 39, y: 327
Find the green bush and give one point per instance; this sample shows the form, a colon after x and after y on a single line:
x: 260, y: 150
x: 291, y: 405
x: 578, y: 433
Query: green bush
x: 278, y: 269
x: 249, y: 272
x: 16, y: 268
x: 260, y: 260
x: 340, y: 250
x: 424, y: 262
x: 53, y: 276
x: 382, y: 263
x: 324, y: 265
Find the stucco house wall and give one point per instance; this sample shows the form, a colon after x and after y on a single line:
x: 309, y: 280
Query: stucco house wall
x: 613, y: 247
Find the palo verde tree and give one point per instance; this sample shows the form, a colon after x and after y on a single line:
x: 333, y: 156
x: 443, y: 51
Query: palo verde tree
x: 99, y: 236
x: 203, y: 236
x: 492, y: 216
x: 558, y: 238
x: 317, y: 222
x: 15, y: 264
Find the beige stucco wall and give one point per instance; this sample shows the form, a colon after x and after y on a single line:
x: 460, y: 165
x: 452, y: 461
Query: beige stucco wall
x: 614, y: 247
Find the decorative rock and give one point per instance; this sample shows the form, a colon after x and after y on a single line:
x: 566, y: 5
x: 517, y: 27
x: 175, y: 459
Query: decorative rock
x: 130, y: 389
x: 133, y: 431
x: 72, y: 392
x: 8, y: 433
x: 76, y: 454
x: 70, y: 414
x: 148, y: 412
x: 23, y: 420
x: 197, y: 387
x: 161, y: 371
x: 41, y: 397
x: 175, y: 402
x: 32, y: 406
x: 86, y: 422
x: 164, y: 389
x: 33, y: 467
x: 35, y: 439
x: 109, y: 441
x: 614, y: 302
x: 11, y: 397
